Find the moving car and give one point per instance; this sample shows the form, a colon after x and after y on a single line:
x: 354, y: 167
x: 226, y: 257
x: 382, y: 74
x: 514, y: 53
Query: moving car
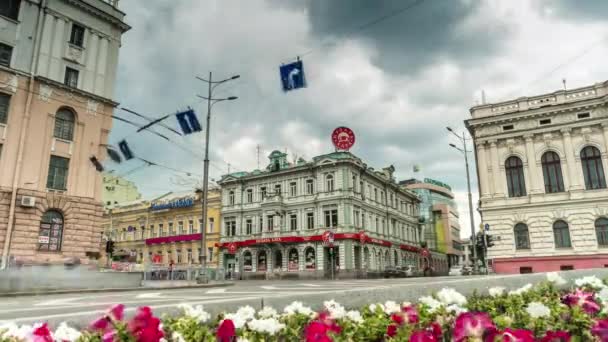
x: 394, y: 272
x: 411, y: 271
x: 459, y: 270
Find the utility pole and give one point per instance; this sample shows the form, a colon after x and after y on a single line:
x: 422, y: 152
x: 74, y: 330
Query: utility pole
x: 210, y: 102
x: 465, y: 151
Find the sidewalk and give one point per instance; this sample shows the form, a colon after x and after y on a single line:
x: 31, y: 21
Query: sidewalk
x: 146, y: 286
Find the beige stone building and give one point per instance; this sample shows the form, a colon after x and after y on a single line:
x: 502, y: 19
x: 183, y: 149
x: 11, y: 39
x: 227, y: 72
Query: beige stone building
x: 164, y: 230
x: 58, y: 63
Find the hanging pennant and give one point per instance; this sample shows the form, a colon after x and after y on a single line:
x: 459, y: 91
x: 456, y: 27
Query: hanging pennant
x: 126, y: 151
x: 96, y: 163
x: 115, y: 156
x: 292, y: 76
x: 188, y: 122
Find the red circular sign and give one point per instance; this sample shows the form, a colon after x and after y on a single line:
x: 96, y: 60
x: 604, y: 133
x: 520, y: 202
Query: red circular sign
x: 232, y: 248
x: 362, y: 237
x: 343, y: 138
x: 328, y: 238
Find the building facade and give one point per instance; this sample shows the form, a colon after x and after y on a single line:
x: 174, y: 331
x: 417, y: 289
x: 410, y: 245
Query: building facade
x: 117, y: 190
x: 58, y: 61
x: 541, y: 164
x: 441, y: 228
x: 165, y: 230
x: 278, y: 222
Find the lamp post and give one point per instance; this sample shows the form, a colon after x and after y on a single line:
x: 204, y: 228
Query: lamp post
x: 210, y: 102
x: 465, y: 151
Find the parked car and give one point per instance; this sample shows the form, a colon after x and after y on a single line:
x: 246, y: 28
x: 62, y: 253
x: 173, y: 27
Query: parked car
x: 459, y: 270
x: 411, y: 271
x: 394, y: 272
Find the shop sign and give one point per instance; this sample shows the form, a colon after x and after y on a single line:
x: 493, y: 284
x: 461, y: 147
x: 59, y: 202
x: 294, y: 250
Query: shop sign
x: 180, y: 203
x: 362, y: 237
x: 328, y: 238
x: 43, y: 239
x: 438, y: 183
x: 343, y: 138
x: 232, y: 248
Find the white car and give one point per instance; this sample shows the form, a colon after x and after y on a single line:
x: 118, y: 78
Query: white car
x: 459, y: 270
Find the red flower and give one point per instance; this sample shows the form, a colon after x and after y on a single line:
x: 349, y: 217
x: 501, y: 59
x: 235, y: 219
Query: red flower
x: 398, y: 319
x: 411, y: 314
x: 144, y: 326
x: 519, y: 335
x: 100, y: 324
x: 42, y: 334
x: 423, y: 336
x: 317, y: 332
x: 226, y: 331
x: 435, y: 329
x: 600, y: 329
x: 472, y: 324
x: 583, y: 299
x: 556, y: 336
x: 117, y: 312
x: 391, y: 330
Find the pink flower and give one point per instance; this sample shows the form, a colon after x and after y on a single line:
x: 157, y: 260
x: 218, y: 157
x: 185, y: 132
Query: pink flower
x: 42, y: 334
x: 101, y: 324
x: 109, y: 336
x: 511, y: 335
x: 600, y: 329
x: 330, y: 323
x: 583, y: 299
x: 391, y: 330
x: 556, y: 336
x: 410, y: 314
x: 423, y: 336
x: 226, y: 331
x: 316, y: 332
x: 435, y: 329
x: 398, y: 319
x: 117, y: 312
x: 144, y: 326
x: 472, y: 324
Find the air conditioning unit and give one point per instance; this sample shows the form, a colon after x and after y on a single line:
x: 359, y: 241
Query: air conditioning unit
x: 28, y: 201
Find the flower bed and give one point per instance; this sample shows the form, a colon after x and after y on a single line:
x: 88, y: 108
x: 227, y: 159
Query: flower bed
x: 528, y: 314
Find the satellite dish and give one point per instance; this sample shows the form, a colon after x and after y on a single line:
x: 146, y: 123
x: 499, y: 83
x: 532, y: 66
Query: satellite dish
x: 115, y: 156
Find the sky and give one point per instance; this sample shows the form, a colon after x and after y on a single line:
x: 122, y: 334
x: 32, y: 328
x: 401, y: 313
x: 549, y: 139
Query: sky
x: 395, y: 71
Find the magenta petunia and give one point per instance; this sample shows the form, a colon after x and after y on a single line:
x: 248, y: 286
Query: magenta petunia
x: 556, y: 336
x: 226, y: 331
x: 42, y: 334
x: 423, y: 336
x: 583, y: 299
x: 410, y: 314
x: 117, y: 312
x: 317, y: 331
x: 513, y: 335
x: 144, y: 326
x: 391, y: 330
x: 472, y: 324
x: 600, y: 329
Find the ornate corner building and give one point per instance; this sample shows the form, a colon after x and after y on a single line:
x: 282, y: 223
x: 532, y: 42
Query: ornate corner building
x: 58, y: 61
x: 541, y: 164
x: 275, y: 221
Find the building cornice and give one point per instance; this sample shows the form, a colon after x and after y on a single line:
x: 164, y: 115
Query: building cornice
x: 105, y: 15
x: 80, y: 92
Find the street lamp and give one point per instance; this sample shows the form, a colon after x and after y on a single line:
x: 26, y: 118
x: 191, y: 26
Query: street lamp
x: 465, y: 152
x: 210, y: 102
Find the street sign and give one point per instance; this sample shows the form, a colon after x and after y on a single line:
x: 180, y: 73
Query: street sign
x: 487, y: 227
x: 343, y: 138
x: 292, y: 76
x: 328, y: 238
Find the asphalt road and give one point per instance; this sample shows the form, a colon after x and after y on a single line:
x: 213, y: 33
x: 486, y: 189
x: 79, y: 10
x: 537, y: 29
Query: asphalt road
x: 80, y: 309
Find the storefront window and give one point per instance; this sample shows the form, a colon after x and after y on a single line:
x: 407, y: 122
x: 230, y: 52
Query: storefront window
x: 262, y: 261
x: 293, y: 260
x: 309, y: 255
x: 51, y: 231
x: 247, y: 262
x: 278, y: 260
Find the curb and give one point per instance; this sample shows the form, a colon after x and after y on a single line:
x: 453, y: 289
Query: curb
x: 125, y: 289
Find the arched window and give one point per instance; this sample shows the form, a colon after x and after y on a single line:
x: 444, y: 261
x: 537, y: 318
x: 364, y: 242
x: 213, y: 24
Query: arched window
x: 278, y: 260
x: 366, y: 260
x: 310, y: 258
x: 591, y: 160
x: 552, y: 172
x: 561, y: 234
x: 515, y: 177
x: 601, y: 230
x: 64, y: 124
x: 247, y: 261
x: 262, y: 261
x: 293, y: 263
x: 329, y: 183
x: 522, y: 237
x: 395, y: 258
x: 51, y: 231
x: 387, y: 258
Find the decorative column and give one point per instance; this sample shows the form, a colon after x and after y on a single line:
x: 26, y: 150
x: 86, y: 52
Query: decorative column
x: 573, y: 175
x: 498, y: 178
x: 482, y: 167
x: 605, y: 128
x: 532, y: 169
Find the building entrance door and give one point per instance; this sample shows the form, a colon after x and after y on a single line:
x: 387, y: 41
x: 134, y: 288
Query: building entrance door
x: 230, y: 266
x: 331, y: 257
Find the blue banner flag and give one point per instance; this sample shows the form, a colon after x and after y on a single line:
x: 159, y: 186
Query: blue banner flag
x: 292, y: 76
x: 188, y: 122
x: 126, y: 151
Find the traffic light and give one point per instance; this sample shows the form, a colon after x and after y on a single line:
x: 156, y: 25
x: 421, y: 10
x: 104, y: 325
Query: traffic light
x: 110, y: 247
x: 489, y: 241
x: 479, y: 240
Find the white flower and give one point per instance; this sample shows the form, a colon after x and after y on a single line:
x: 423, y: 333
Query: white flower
x: 177, y: 337
x: 66, y: 333
x: 247, y: 312
x: 336, y: 311
x: 374, y: 307
x: 195, y: 312
x: 391, y: 307
x: 455, y: 309
x: 8, y: 329
x: 297, y: 307
x: 496, y: 291
x: 267, y: 312
x: 241, y: 339
x: 603, y: 295
x: 521, y: 290
x: 555, y: 278
x: 11, y: 330
x: 266, y: 325
x: 538, y: 310
x: 354, y: 316
x: 238, y: 321
x: 592, y: 281
x: 431, y: 302
x: 450, y: 296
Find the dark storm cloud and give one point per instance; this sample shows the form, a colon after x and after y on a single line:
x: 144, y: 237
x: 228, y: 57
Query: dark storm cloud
x: 432, y: 31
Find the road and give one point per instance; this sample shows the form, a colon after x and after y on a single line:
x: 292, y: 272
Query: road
x: 79, y: 309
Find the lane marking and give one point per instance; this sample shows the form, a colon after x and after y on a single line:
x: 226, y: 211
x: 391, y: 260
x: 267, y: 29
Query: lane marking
x: 60, y: 301
x: 216, y: 291
x: 310, y: 285
x: 149, y: 295
x: 269, y: 287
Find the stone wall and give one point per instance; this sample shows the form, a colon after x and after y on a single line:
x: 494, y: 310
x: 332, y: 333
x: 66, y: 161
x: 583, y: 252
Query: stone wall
x: 81, y: 232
